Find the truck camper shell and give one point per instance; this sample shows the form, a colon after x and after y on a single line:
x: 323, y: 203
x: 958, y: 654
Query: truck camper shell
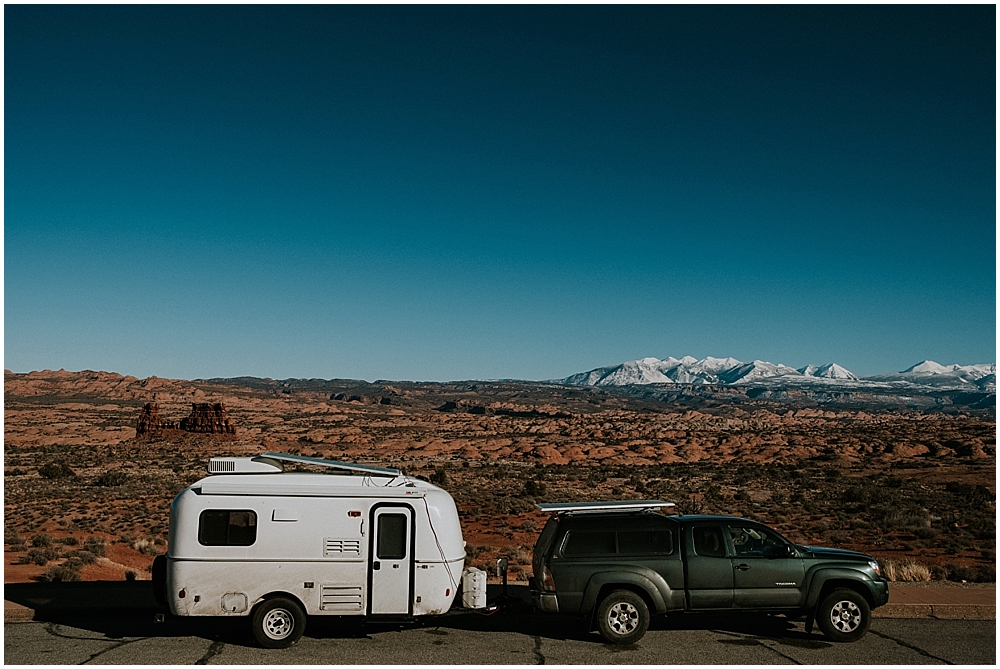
x: 355, y: 541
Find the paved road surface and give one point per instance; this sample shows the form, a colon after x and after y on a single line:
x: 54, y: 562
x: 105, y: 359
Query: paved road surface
x: 503, y: 638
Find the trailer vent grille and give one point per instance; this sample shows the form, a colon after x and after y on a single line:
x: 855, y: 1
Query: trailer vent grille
x: 221, y: 466
x: 341, y: 548
x: 340, y: 598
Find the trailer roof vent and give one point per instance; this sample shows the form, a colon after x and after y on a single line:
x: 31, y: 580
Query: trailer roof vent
x: 256, y: 465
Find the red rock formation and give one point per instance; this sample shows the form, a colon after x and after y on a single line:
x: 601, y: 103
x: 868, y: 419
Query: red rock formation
x: 209, y: 419
x: 149, y: 421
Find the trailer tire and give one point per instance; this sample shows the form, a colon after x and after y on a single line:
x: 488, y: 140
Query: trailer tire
x: 622, y: 617
x: 278, y: 622
x: 159, y: 577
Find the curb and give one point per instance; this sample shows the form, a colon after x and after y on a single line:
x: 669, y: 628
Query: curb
x: 15, y: 613
x: 938, y: 611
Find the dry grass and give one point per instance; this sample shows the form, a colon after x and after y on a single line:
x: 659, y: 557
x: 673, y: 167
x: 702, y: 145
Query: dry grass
x: 906, y: 570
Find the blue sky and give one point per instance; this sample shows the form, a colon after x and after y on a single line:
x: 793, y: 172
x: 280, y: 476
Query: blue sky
x: 440, y: 193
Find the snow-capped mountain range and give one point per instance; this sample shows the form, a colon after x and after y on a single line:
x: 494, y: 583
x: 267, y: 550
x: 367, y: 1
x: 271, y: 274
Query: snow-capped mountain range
x: 730, y: 371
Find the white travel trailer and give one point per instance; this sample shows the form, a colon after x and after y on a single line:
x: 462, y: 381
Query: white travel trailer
x: 253, y: 540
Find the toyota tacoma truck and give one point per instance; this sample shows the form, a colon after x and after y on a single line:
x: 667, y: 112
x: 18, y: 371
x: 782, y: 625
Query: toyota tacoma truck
x: 620, y: 562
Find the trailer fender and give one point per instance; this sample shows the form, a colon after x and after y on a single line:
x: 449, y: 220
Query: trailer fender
x: 271, y: 595
x: 647, y: 583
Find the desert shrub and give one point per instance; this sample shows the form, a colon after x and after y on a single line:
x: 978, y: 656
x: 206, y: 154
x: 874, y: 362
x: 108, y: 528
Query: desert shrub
x: 986, y: 574
x: 96, y: 546
x: 41, y: 541
x: 983, y: 574
x: 13, y: 539
x: 894, y: 519
x: 529, y: 526
x: 970, y: 491
x: 533, y: 488
x: 39, y: 556
x: 839, y: 537
x: 62, y: 573
x: 439, y: 477
x: 926, y: 532
x: 983, y: 529
x: 129, y: 575
x: 111, y: 479
x: 907, y: 570
x: 146, y: 547
x: 56, y: 470
x: 68, y: 541
x: 85, y: 557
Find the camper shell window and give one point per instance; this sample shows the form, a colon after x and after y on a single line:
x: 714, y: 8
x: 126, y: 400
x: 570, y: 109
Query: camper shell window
x: 637, y: 541
x: 218, y: 527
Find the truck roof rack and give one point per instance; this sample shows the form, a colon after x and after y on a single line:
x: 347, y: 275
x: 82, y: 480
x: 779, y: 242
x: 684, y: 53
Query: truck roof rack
x: 333, y: 464
x: 603, y: 507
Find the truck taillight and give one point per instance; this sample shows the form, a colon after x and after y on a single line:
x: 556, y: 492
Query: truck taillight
x: 547, y: 582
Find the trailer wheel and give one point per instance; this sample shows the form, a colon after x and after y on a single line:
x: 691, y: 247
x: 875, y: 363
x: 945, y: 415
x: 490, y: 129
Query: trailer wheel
x: 622, y: 617
x: 278, y: 622
x: 160, y: 580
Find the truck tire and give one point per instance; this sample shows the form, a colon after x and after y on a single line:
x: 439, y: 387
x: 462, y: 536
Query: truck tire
x: 159, y: 579
x: 843, y: 615
x: 622, y: 617
x: 278, y: 622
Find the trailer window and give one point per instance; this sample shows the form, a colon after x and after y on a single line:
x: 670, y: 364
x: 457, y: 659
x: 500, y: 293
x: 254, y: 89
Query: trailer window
x: 227, y: 528
x: 391, y: 536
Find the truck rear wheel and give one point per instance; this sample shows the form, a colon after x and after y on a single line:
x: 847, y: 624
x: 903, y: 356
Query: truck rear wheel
x: 278, y: 622
x: 844, y: 615
x: 622, y: 617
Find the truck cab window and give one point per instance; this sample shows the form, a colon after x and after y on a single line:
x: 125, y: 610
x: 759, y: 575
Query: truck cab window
x: 755, y: 542
x: 708, y: 541
x: 227, y: 528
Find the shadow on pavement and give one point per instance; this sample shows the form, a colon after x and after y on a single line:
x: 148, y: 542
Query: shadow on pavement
x: 127, y: 609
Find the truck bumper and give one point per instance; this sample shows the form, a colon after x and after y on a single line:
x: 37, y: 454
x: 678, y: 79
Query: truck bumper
x: 546, y: 601
x: 881, y: 592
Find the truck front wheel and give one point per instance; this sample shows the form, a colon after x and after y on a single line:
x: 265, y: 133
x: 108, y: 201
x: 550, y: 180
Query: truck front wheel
x: 622, y: 617
x: 844, y: 615
x: 278, y: 622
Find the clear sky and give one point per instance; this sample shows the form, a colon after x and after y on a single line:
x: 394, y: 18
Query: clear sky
x: 442, y: 193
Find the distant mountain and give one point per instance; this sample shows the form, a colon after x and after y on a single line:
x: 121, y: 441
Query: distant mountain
x: 730, y: 371
x: 929, y: 373
x: 830, y: 370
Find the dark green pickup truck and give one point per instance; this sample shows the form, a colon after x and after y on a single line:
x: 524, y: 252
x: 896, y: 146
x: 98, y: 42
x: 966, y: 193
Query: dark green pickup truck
x: 623, y: 561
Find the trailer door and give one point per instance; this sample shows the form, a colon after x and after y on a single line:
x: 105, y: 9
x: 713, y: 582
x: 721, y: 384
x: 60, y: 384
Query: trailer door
x: 391, y: 567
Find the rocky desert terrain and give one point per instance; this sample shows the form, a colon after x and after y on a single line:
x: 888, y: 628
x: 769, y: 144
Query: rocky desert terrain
x: 92, y: 460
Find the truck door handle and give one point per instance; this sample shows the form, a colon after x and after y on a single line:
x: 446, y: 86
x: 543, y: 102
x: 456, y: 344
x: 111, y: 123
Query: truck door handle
x: 376, y: 565
x: 742, y: 567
